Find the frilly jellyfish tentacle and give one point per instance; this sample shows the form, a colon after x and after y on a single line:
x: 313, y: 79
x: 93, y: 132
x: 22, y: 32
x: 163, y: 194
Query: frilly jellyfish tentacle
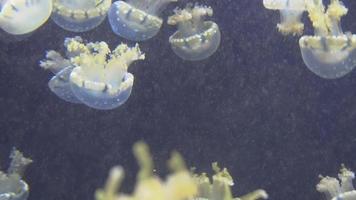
x: 20, y: 17
x: 79, y: 15
x: 195, y: 39
x: 137, y: 20
x: 330, y: 53
x: 338, y: 189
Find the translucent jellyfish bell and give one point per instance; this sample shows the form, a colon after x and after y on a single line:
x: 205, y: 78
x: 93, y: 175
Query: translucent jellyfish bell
x: 19, y: 17
x: 195, y: 39
x: 137, y: 20
x: 92, y: 74
x: 329, y: 53
x: 79, y: 15
x: 291, y: 12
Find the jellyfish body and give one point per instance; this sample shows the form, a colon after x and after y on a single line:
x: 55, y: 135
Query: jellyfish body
x: 338, y: 189
x: 12, y: 187
x: 79, y: 15
x: 20, y: 17
x: 93, y: 75
x: 195, y: 39
x: 291, y: 12
x: 136, y: 20
x: 329, y: 53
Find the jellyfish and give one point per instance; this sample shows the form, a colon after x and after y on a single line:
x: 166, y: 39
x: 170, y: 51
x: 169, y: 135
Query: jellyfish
x: 79, y: 15
x: 12, y: 187
x: 337, y: 189
x: 18, y: 17
x: 329, y: 53
x: 181, y: 183
x: 196, y: 39
x: 92, y: 74
x: 291, y: 12
x: 137, y: 20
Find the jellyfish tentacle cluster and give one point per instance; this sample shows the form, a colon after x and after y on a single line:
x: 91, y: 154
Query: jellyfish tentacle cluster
x: 195, y: 39
x: 181, y: 184
x: 337, y: 189
x: 79, y: 15
x: 19, y: 17
x: 92, y: 74
x: 329, y: 53
x: 12, y: 187
x: 137, y: 20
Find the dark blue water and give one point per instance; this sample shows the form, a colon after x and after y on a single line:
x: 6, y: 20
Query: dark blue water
x: 253, y: 106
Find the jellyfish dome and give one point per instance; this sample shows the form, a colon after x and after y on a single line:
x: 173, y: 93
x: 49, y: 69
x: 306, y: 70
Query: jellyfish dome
x: 137, y: 20
x: 196, y: 39
x: 79, y: 15
x: 330, y: 53
x: 291, y: 12
x: 92, y: 74
x: 20, y: 17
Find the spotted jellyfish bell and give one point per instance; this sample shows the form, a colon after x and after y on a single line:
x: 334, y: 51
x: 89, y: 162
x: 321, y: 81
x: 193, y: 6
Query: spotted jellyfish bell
x: 100, y: 79
x: 329, y: 53
x: 291, y: 12
x: 20, y: 17
x: 195, y: 39
x: 79, y: 15
x: 137, y: 20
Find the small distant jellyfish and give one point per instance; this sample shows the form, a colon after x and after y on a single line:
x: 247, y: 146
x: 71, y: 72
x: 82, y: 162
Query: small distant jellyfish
x: 137, y: 20
x: 196, y: 39
x: 19, y: 17
x: 330, y: 53
x: 79, y: 15
x: 12, y: 187
x: 338, y: 189
x: 92, y: 74
x: 291, y: 12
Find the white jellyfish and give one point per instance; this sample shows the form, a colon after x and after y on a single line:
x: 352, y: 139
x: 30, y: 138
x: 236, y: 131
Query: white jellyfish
x: 20, y: 17
x: 338, y: 189
x: 196, y: 39
x: 329, y: 53
x: 137, y: 20
x: 291, y: 12
x: 92, y: 74
x: 12, y: 187
x: 79, y: 15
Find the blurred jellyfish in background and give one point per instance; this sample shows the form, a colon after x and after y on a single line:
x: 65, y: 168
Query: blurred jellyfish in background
x: 181, y: 184
x: 12, y: 187
x: 137, y: 20
x: 20, y: 17
x: 79, y: 15
x: 329, y: 53
x: 338, y: 189
x: 92, y: 74
x: 195, y: 39
x: 291, y: 12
